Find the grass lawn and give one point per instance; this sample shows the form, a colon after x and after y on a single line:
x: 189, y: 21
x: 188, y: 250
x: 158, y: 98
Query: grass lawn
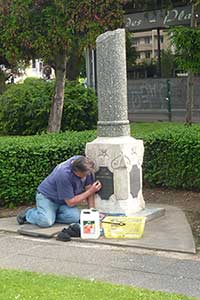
x: 21, y: 285
x: 141, y: 129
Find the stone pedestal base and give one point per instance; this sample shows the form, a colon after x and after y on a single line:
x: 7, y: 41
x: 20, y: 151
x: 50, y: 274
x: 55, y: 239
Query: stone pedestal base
x: 119, y: 167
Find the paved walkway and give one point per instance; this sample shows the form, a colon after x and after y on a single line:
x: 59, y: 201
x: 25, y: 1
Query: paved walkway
x: 154, y: 270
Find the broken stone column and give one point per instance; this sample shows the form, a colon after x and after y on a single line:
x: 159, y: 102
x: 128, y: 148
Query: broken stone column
x: 118, y: 157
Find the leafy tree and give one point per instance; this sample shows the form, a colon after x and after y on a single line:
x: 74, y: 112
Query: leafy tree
x: 131, y: 53
x: 2, y: 81
x: 168, y: 64
x: 49, y: 29
x: 140, y: 5
x: 187, y: 47
x: 4, y: 66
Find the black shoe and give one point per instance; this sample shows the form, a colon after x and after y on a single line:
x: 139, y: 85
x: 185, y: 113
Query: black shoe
x: 21, y: 217
x: 74, y: 230
x: 63, y: 236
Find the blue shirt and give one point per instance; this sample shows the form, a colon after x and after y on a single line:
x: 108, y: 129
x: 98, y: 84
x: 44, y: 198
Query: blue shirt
x: 62, y: 184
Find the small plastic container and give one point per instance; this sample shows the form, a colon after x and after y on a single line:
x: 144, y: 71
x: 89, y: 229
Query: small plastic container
x: 90, y: 224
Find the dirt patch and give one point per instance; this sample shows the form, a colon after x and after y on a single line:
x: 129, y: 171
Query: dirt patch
x: 189, y: 202
x: 11, y: 212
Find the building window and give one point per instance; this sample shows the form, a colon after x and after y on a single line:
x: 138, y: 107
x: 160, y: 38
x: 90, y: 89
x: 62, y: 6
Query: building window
x: 147, y: 40
x: 136, y: 41
x: 147, y: 54
x: 161, y: 39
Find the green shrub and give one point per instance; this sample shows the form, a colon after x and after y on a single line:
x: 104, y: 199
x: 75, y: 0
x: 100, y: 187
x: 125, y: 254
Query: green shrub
x: 26, y: 161
x: 24, y: 108
x: 171, y: 159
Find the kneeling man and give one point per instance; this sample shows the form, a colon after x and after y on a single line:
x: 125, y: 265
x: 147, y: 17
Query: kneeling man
x: 69, y: 184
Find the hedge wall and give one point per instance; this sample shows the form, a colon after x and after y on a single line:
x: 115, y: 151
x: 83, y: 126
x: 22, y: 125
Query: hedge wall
x: 172, y: 159
x: 26, y: 161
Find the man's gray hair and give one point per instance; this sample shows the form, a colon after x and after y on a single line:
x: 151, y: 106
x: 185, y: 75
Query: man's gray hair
x: 83, y: 164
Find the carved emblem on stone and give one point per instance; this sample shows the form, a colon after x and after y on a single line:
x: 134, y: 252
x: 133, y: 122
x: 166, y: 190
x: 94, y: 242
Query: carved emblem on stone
x: 133, y: 151
x: 121, y: 161
x: 103, y: 156
x: 103, y: 152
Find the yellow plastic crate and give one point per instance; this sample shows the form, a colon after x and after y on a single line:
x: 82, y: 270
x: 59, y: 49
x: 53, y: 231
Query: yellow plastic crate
x: 123, y: 227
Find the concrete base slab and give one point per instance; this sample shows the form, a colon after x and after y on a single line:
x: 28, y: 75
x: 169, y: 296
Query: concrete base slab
x: 150, y: 213
x: 170, y: 232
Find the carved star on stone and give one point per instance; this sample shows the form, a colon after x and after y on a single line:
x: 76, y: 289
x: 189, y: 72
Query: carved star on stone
x: 103, y: 152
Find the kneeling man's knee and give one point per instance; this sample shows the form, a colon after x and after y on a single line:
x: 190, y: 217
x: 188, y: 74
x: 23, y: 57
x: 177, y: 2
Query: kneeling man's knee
x: 45, y: 222
x: 75, y: 215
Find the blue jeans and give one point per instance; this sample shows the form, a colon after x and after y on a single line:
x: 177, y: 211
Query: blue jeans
x: 47, y: 213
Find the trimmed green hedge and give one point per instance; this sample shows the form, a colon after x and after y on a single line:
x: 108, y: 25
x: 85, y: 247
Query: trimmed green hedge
x: 172, y: 159
x: 26, y: 161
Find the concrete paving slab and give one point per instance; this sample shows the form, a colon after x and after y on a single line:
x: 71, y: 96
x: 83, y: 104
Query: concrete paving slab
x: 11, y: 225
x: 170, y: 232
x: 35, y: 231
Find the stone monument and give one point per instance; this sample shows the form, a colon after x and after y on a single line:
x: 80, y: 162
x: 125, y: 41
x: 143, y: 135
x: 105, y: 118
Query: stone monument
x: 118, y: 156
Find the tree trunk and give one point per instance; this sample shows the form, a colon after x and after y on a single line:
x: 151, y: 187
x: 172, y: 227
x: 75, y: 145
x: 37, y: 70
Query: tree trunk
x: 74, y: 62
x: 73, y: 65
x: 55, y: 117
x: 2, y: 82
x: 189, y: 102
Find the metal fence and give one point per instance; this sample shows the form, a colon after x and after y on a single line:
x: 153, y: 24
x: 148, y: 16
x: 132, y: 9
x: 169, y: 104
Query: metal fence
x: 152, y: 99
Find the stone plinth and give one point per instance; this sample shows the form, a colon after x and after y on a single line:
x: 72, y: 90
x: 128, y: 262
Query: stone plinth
x: 119, y: 167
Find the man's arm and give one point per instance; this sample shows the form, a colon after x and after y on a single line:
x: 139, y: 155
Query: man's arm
x: 90, y: 200
x: 95, y: 187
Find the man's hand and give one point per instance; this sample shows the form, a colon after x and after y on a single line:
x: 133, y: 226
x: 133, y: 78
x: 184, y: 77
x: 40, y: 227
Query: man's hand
x: 96, y: 186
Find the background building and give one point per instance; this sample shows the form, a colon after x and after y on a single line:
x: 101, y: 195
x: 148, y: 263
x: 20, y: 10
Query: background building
x: 146, y: 44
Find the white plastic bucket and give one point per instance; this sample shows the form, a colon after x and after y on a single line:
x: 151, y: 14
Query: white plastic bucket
x: 90, y: 224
